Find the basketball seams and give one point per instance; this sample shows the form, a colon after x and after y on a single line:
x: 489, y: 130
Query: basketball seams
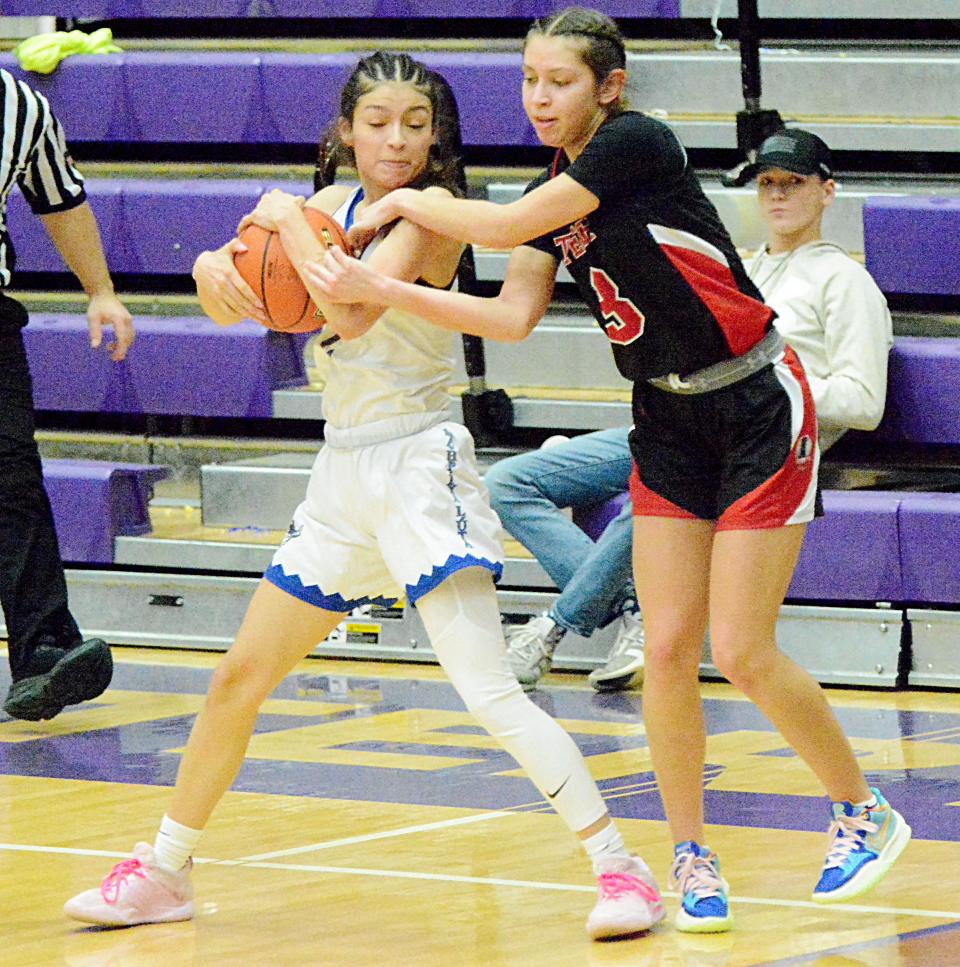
x: 274, y: 270
x: 263, y: 276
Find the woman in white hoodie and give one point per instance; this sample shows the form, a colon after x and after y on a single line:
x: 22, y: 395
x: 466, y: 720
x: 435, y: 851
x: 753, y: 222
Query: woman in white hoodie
x: 829, y: 309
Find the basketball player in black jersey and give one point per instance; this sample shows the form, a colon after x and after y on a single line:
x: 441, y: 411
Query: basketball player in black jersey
x: 725, y: 439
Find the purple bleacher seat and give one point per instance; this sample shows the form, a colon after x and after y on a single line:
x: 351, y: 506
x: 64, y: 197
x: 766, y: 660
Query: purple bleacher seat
x: 168, y: 224
x: 194, y: 97
x: 930, y: 547
x: 301, y: 93
x: 923, y: 391
x: 852, y: 553
x: 87, y: 94
x: 183, y: 8
x: 480, y: 80
x: 148, y: 226
x: 103, y: 9
x: 183, y: 366
x: 34, y: 250
x: 524, y: 9
x: 94, y: 501
x: 912, y: 244
x: 340, y: 8
x: 237, y: 98
x: 594, y: 519
x: 97, y: 9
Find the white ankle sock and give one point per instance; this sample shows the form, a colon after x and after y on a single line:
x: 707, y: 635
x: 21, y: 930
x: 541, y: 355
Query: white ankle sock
x: 174, y: 844
x: 606, y: 850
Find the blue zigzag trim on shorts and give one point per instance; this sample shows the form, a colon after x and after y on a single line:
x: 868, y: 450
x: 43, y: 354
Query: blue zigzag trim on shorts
x: 441, y: 572
x: 311, y: 593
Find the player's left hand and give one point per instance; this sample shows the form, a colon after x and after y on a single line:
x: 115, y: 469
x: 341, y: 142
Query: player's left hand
x: 106, y: 310
x: 272, y: 208
x: 341, y: 278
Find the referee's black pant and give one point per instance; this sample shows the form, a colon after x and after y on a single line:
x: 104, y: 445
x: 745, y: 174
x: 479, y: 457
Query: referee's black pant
x: 33, y: 589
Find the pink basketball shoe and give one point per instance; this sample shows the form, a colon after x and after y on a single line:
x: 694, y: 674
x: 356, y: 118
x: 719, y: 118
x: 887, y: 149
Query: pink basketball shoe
x: 136, y: 891
x: 628, y: 902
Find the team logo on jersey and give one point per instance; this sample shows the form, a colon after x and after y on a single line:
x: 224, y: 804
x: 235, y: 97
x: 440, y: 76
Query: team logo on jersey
x: 574, y: 243
x: 804, y: 449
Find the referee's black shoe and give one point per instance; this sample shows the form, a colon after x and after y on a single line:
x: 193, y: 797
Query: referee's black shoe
x: 60, y: 677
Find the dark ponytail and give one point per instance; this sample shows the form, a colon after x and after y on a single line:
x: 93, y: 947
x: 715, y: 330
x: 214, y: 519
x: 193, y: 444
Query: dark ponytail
x: 450, y: 145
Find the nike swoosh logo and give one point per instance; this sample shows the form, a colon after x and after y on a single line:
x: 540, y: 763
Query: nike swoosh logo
x: 553, y: 795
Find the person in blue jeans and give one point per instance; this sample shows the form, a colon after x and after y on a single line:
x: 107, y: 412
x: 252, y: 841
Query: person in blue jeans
x: 594, y: 577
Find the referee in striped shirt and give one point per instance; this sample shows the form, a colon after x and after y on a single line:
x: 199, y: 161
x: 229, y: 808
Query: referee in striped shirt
x: 50, y: 665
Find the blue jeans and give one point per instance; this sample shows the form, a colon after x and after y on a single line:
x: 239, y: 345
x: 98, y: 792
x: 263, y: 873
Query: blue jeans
x: 528, y: 491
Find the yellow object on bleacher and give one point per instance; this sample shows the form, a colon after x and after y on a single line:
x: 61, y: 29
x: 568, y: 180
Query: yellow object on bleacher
x: 42, y: 52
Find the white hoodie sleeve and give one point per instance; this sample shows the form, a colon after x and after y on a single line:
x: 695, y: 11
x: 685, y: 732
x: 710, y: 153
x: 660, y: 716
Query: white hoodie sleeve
x: 858, y: 334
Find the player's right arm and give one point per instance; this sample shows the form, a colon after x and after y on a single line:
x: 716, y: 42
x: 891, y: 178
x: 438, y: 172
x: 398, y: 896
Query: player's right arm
x: 507, y: 317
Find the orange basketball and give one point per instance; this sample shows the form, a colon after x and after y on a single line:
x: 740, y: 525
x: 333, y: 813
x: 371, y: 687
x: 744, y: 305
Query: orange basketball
x: 267, y: 270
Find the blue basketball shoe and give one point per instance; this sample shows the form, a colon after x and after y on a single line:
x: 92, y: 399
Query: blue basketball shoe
x: 864, y: 844
x: 704, y: 907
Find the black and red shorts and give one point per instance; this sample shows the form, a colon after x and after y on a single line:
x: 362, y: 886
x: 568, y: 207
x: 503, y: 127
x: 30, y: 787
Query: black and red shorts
x: 745, y: 456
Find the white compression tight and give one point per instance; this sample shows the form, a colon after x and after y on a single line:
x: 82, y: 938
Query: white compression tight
x: 463, y: 621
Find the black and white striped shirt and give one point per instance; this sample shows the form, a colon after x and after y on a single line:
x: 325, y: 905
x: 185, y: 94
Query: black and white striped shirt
x: 33, y: 154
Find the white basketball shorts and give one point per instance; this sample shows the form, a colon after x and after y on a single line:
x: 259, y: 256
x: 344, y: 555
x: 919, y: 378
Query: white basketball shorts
x: 389, y: 520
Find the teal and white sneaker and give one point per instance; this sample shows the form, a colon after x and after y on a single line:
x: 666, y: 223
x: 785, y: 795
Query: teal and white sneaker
x: 863, y: 846
x: 704, y: 905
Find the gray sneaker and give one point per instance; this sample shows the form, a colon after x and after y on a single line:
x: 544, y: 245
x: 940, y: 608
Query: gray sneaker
x: 626, y: 657
x: 530, y: 649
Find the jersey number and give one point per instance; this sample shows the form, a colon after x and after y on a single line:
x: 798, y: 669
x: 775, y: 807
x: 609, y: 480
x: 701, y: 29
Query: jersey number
x: 624, y: 320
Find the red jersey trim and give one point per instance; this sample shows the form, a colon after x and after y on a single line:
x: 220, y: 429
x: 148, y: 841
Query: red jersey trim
x: 788, y: 496
x: 742, y: 319
x: 648, y: 503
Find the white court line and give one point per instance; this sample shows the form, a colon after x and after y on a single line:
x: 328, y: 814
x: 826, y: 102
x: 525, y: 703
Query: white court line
x: 20, y: 848
x: 493, y: 881
x: 577, y: 888
x: 368, y: 837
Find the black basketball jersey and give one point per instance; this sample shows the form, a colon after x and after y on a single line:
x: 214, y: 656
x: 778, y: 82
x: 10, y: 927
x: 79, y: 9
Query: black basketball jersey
x: 654, y: 262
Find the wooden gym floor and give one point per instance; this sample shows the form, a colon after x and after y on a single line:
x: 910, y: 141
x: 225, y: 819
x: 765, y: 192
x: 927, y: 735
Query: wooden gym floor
x: 374, y: 824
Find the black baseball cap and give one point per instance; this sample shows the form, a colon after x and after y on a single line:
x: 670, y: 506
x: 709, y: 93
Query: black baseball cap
x: 793, y: 150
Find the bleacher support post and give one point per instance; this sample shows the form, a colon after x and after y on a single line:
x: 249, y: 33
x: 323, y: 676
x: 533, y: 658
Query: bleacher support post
x: 754, y: 123
x: 487, y: 413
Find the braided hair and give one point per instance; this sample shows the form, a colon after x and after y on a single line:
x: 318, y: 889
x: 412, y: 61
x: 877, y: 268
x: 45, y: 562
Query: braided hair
x: 444, y: 166
x: 598, y: 38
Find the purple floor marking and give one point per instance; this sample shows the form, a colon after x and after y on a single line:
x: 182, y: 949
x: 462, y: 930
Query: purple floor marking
x: 140, y: 753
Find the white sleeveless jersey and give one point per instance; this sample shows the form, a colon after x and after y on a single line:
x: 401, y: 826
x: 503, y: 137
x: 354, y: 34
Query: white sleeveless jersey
x: 395, y: 375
